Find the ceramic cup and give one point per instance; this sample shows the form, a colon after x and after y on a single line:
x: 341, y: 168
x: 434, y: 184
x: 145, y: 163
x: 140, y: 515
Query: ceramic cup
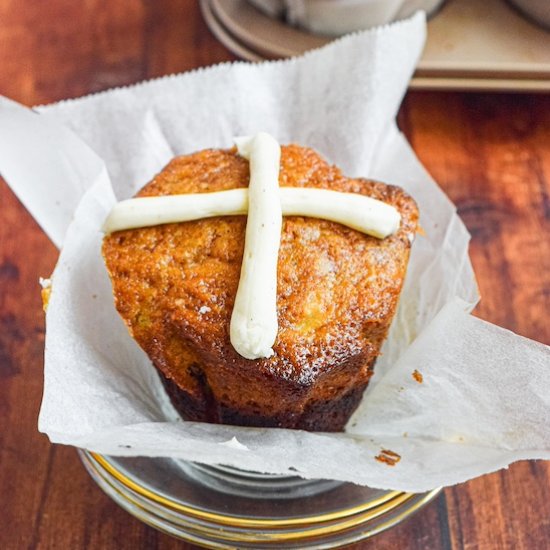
x: 337, y: 17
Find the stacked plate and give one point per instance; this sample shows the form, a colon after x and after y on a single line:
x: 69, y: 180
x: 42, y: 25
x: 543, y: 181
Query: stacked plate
x: 471, y: 45
x: 222, y: 507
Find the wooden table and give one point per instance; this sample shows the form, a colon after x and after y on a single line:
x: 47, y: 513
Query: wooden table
x: 489, y: 152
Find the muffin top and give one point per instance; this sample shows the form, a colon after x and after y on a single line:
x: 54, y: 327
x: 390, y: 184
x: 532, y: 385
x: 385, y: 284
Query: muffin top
x: 337, y: 289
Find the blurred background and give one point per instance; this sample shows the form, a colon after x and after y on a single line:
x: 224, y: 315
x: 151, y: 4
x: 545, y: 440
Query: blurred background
x: 489, y: 45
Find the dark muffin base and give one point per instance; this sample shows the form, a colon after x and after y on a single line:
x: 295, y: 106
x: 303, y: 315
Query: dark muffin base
x: 320, y: 416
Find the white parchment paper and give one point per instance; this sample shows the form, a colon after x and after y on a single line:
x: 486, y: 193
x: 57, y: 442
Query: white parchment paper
x: 482, y: 403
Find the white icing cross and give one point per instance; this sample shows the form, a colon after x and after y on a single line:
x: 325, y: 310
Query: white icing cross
x: 253, y: 329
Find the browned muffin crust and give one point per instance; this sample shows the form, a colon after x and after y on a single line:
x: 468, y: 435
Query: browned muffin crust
x: 175, y: 285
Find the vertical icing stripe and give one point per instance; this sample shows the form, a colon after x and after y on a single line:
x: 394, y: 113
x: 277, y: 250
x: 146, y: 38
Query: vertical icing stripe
x: 254, y: 325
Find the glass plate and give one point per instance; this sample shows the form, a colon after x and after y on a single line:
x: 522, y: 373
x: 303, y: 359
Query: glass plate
x: 223, y: 507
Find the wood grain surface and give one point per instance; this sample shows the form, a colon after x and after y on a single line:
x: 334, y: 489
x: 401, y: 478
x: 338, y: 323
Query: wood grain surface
x: 489, y: 152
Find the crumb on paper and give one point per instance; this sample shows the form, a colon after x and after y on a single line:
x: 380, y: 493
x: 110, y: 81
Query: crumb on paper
x: 204, y: 309
x: 417, y: 376
x: 46, y: 285
x: 388, y: 457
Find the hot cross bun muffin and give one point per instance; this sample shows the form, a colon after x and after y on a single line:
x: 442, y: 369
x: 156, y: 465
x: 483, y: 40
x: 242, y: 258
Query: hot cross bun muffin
x: 337, y: 292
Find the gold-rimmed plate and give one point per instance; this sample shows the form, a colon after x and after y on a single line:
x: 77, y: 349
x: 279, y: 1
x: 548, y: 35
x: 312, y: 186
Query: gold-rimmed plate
x: 178, y: 499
